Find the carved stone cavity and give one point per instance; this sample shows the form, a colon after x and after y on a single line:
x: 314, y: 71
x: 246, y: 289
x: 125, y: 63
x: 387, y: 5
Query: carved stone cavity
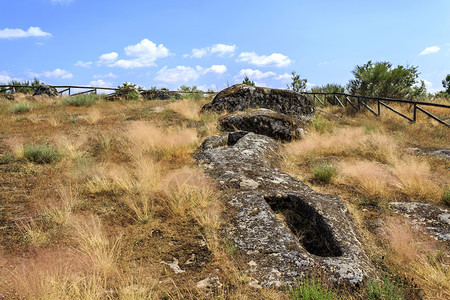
x: 307, y: 224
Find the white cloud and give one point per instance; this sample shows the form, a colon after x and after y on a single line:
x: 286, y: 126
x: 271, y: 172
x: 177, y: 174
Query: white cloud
x: 427, y: 83
x: 253, y: 74
x: 217, y: 49
x: 4, y: 78
x: 219, y: 69
x: 109, y: 75
x: 145, y: 54
x: 180, y: 74
x: 273, y: 60
x: 100, y: 83
x: 430, y: 50
x: 83, y: 64
x: 183, y: 74
x: 108, y: 58
x: 9, y: 33
x: 283, y: 77
x: 56, y: 73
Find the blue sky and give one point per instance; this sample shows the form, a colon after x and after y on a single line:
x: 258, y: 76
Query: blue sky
x: 212, y: 44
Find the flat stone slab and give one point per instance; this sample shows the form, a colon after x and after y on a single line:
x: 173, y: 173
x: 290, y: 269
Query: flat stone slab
x: 429, y: 218
x: 283, y: 228
x: 241, y: 97
x: 264, y: 121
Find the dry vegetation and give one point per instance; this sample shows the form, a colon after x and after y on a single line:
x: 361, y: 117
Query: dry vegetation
x: 121, y: 196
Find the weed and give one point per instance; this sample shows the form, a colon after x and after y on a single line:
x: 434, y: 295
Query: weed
x: 325, y: 173
x: 446, y: 196
x: 387, y: 288
x: 41, y: 153
x: 6, y: 159
x: 33, y: 233
x: 81, y: 100
x: 21, y: 108
x: 312, y: 290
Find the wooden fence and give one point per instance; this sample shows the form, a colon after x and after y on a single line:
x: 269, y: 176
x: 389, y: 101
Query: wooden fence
x: 361, y: 102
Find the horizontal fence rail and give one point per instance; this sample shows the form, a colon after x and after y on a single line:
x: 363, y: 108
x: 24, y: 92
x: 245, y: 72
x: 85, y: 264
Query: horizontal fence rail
x: 89, y: 89
x: 359, y: 102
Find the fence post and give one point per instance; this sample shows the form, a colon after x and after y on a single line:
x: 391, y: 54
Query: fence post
x: 379, y: 111
x: 359, y: 104
x: 414, y: 112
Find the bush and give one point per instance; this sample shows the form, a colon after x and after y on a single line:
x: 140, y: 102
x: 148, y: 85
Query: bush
x: 382, y: 80
x: 325, y: 173
x: 130, y: 91
x: 446, y: 196
x: 190, y: 92
x: 247, y: 81
x: 26, y: 87
x: 312, y: 290
x: 297, y: 84
x: 82, y: 100
x: 21, y: 108
x: 385, y: 289
x: 41, y: 154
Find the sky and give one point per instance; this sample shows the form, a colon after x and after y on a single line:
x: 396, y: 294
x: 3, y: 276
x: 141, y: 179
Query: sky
x: 213, y: 44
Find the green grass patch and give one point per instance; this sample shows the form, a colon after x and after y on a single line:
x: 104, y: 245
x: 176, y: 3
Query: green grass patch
x: 313, y: 290
x: 21, y: 108
x: 386, y: 288
x: 324, y: 173
x: 446, y: 196
x: 321, y: 125
x: 41, y: 154
x: 82, y: 100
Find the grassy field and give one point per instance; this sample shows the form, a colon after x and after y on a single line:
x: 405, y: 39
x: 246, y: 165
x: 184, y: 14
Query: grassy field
x: 100, y: 198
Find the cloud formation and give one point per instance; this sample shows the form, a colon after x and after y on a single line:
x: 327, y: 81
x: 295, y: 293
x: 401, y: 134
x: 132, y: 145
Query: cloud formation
x: 4, y: 78
x: 430, y: 50
x: 100, y: 83
x: 217, y: 49
x: 183, y: 74
x: 83, y: 64
x: 56, y: 73
x: 9, y: 33
x: 143, y: 54
x: 253, y: 74
x: 274, y: 60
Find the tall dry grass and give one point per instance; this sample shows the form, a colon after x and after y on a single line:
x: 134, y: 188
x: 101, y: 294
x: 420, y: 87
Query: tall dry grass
x: 188, y: 108
x: 419, y: 256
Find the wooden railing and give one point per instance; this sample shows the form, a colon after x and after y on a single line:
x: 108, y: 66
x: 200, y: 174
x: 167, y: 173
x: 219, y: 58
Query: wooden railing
x: 360, y: 102
x: 68, y: 89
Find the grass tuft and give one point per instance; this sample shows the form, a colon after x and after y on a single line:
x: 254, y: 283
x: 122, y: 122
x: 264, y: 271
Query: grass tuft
x: 41, y: 153
x: 82, y: 100
x: 21, y: 108
x: 325, y: 173
x: 387, y: 288
x: 312, y: 290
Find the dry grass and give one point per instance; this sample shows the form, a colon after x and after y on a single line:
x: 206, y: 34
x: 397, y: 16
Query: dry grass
x: 419, y: 256
x: 188, y: 108
x: 373, y: 178
x: 95, y: 245
x: 33, y: 233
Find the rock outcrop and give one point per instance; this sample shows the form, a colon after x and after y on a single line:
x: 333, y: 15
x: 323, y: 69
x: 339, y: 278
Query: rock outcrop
x: 264, y: 121
x: 159, y: 95
x: 46, y: 90
x: 283, y: 228
x: 429, y: 218
x: 241, y: 97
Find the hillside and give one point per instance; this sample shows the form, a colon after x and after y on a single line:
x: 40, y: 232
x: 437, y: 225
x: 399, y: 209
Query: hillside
x: 103, y: 199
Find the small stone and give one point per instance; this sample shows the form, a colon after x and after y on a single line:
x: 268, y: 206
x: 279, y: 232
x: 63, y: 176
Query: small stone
x: 249, y: 184
x: 209, y: 282
x: 174, y: 266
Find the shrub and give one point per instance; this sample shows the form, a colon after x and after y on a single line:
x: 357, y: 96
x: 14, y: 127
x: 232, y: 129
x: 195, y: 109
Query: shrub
x: 385, y: 289
x: 82, y: 100
x: 26, y: 87
x: 446, y: 196
x: 247, y: 81
x: 41, y: 154
x: 325, y: 173
x: 130, y: 91
x: 382, y: 80
x: 297, y: 84
x: 190, y: 92
x: 321, y: 125
x: 21, y: 108
x: 312, y: 290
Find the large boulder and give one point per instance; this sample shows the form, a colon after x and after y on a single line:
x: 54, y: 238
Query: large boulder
x: 283, y: 229
x: 241, y: 97
x: 264, y: 121
x: 160, y: 95
x: 46, y: 90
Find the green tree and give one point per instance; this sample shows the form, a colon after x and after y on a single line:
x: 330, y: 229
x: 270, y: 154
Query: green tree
x: 248, y: 81
x: 380, y: 79
x: 446, y: 84
x: 297, y: 84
